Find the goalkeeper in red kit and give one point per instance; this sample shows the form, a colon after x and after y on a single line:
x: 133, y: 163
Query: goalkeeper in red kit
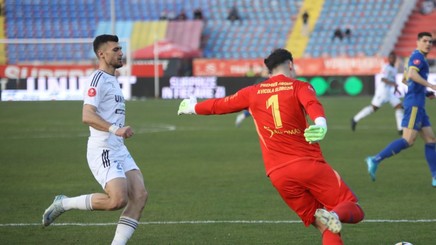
x: 291, y: 153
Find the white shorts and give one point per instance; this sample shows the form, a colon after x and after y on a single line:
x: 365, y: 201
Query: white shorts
x: 107, y: 164
x: 381, y: 98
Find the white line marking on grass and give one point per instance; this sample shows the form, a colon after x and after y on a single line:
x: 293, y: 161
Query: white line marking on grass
x: 56, y: 133
x: 196, y: 222
x: 153, y: 128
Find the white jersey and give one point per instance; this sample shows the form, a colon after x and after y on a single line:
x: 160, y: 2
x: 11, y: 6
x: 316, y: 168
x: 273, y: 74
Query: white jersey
x: 103, y: 91
x: 384, y: 92
x: 389, y: 72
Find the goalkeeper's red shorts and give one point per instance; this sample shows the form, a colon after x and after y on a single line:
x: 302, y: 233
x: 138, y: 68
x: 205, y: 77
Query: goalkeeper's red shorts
x: 308, y: 185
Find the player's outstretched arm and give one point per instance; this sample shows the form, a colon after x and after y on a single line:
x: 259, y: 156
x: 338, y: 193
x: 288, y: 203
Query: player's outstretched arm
x: 187, y: 106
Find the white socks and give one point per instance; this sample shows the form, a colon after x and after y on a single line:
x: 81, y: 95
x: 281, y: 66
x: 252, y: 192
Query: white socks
x: 80, y: 202
x: 366, y: 111
x: 399, y: 113
x: 125, y: 228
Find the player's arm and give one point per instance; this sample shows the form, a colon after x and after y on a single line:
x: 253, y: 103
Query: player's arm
x: 413, y: 74
x: 307, y: 97
x: 315, y: 110
x: 91, y: 118
x: 389, y: 82
x: 229, y: 104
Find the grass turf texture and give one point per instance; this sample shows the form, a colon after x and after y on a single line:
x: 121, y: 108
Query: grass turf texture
x: 202, y: 168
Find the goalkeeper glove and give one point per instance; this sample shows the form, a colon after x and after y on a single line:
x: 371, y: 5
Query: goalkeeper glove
x: 187, y: 106
x: 315, y: 133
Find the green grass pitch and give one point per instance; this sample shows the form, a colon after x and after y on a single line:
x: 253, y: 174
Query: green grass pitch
x: 205, y: 178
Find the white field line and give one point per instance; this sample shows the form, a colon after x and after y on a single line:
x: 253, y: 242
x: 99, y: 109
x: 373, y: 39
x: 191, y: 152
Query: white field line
x: 195, y: 222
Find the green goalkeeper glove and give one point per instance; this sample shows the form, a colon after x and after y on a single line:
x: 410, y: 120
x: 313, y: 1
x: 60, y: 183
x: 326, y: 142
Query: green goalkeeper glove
x: 315, y: 133
x: 187, y: 106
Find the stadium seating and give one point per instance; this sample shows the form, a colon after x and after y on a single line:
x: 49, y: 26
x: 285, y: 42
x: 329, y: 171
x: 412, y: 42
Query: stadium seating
x: 416, y: 23
x: 369, y: 22
x: 265, y: 25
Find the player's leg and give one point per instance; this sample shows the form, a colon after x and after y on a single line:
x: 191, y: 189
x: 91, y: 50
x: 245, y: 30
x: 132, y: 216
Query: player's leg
x: 331, y: 191
x: 115, y: 198
x: 290, y: 183
x: 364, y: 112
x: 303, y: 203
x: 399, y: 112
x: 137, y: 194
x: 300, y: 184
x: 241, y: 117
x: 129, y: 219
x: 376, y: 103
x: 137, y: 197
x: 391, y: 149
x: 430, y: 147
x: 409, y: 137
x: 413, y: 118
x: 107, y: 171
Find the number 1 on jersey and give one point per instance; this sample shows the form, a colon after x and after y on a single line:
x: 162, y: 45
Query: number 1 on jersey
x: 273, y: 102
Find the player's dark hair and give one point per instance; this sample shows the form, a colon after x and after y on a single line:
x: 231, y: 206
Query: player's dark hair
x: 424, y: 34
x: 276, y: 58
x: 102, y: 39
x: 392, y: 53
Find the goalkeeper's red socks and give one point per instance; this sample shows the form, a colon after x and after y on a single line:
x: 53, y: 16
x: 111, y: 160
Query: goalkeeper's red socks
x: 349, y: 212
x: 330, y: 238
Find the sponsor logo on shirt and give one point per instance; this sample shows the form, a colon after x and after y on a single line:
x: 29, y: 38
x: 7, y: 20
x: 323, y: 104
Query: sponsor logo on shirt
x: 119, y: 98
x: 416, y: 62
x: 120, y: 111
x: 277, y: 131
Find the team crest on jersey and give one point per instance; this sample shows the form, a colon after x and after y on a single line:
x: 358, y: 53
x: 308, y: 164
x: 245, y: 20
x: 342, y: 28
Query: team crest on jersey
x: 92, y: 92
x: 416, y: 62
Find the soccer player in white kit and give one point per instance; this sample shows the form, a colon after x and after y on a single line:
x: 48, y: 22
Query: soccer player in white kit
x: 108, y: 158
x: 384, y: 93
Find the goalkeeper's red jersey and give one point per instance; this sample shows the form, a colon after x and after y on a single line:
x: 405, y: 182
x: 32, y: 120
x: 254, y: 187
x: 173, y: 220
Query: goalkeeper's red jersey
x: 279, y: 107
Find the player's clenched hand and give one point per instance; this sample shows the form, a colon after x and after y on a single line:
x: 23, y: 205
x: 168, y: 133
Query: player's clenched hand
x: 187, y: 106
x: 125, y: 132
x: 315, y: 133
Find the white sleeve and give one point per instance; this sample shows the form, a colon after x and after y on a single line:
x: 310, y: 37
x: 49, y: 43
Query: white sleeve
x: 94, y: 90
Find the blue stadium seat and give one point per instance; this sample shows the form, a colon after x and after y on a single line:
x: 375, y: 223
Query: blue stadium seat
x: 72, y: 19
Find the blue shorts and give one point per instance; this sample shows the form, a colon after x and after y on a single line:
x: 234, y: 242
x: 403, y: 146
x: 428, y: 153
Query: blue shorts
x: 415, y: 118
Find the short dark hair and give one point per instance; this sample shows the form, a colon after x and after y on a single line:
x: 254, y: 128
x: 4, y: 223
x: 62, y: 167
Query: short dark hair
x: 276, y: 58
x: 102, y: 39
x: 424, y: 34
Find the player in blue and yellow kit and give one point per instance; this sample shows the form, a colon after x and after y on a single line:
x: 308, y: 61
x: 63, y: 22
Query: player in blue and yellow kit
x: 415, y: 118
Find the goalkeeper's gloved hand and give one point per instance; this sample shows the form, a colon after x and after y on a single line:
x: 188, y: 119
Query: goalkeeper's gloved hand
x: 315, y: 133
x: 187, y: 106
